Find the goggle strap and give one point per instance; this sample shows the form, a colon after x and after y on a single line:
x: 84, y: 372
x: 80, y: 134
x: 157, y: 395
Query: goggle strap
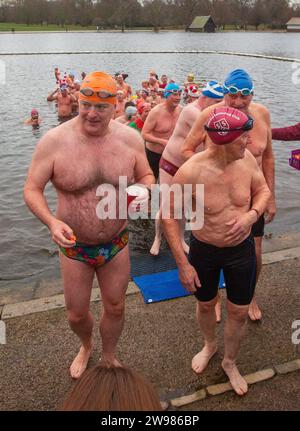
x: 209, y: 129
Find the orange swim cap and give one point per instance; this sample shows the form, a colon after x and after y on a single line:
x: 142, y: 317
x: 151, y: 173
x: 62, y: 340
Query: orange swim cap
x: 98, y: 82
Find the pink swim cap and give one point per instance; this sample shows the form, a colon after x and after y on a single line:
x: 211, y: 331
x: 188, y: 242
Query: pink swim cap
x: 34, y: 112
x: 226, y: 124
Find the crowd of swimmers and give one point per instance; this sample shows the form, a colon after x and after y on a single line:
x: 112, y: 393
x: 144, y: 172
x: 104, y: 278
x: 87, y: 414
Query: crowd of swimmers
x: 131, y: 108
x: 218, y: 137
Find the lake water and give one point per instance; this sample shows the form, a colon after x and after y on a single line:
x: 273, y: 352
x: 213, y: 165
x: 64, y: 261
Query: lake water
x: 26, y: 247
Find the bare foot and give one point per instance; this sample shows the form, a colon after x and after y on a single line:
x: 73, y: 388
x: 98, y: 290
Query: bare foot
x: 218, y: 309
x: 237, y: 381
x: 186, y: 248
x: 164, y: 405
x: 80, y: 362
x: 201, y: 360
x: 254, y: 312
x: 155, y: 247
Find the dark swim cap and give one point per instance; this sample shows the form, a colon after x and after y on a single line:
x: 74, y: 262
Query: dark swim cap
x: 226, y: 124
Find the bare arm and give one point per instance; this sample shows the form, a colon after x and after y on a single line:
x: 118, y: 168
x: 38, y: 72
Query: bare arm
x: 268, y: 168
x: 142, y: 171
x: 187, y: 273
x: 73, y: 97
x: 196, y: 136
x: 260, y: 191
x: 149, y: 126
x: 129, y: 91
x: 53, y: 96
x: 40, y: 172
x: 260, y: 195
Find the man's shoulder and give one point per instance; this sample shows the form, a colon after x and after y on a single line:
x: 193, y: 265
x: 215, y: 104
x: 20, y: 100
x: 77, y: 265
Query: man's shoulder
x: 58, y: 132
x: 249, y: 159
x: 188, y: 115
x: 179, y: 109
x: 206, y: 112
x: 156, y: 111
x: 258, y: 108
x: 190, y: 110
x: 123, y: 129
x: 158, y: 108
x: 192, y: 165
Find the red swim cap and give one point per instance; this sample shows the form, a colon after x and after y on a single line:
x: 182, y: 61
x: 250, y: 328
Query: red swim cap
x: 34, y: 112
x: 226, y: 124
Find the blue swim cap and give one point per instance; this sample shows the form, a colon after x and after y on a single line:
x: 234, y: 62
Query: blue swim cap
x: 170, y: 88
x: 238, y: 79
x: 213, y: 89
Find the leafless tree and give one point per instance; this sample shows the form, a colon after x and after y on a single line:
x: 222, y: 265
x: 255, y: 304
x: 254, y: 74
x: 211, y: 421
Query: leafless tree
x: 154, y: 12
x: 258, y: 14
x: 158, y: 13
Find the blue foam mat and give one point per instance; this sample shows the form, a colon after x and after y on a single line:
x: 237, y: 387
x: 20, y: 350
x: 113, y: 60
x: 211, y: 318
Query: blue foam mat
x: 163, y: 286
x: 145, y: 263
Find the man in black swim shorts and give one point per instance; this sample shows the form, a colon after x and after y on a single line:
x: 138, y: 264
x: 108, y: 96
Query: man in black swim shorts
x: 235, y: 196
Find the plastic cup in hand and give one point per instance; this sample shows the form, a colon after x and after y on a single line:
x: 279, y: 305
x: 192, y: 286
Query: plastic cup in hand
x: 138, y: 193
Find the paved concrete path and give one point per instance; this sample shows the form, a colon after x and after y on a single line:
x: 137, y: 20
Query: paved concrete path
x: 159, y: 340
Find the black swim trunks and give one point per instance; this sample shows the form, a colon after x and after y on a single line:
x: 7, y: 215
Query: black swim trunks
x: 153, y: 159
x: 258, y: 228
x: 239, y: 268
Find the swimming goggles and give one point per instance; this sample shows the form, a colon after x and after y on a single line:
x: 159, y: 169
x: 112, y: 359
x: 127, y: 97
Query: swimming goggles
x: 176, y: 92
x: 102, y: 94
x: 245, y: 127
x: 234, y: 90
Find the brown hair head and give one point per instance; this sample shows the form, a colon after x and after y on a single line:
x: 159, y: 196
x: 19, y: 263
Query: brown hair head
x: 112, y: 389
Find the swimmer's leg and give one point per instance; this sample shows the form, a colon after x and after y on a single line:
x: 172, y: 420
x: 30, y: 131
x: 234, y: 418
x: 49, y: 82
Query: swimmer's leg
x: 158, y: 235
x: 205, y: 313
x: 218, y: 308
x: 254, y: 310
x: 234, y: 333
x: 113, y: 278
x: 77, y: 280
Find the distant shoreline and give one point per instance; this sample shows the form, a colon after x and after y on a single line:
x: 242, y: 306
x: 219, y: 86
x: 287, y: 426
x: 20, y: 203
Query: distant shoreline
x: 135, y: 30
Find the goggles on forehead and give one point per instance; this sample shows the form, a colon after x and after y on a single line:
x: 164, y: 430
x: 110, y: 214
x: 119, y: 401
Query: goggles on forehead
x: 234, y: 90
x: 102, y: 94
x: 245, y: 127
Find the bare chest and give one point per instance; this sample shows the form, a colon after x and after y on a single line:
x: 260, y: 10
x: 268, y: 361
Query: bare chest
x: 63, y: 101
x: 77, y: 170
x: 228, y: 191
x: 165, y: 123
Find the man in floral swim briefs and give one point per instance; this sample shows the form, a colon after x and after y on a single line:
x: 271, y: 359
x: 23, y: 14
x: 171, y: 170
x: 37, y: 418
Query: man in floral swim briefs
x: 78, y: 156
